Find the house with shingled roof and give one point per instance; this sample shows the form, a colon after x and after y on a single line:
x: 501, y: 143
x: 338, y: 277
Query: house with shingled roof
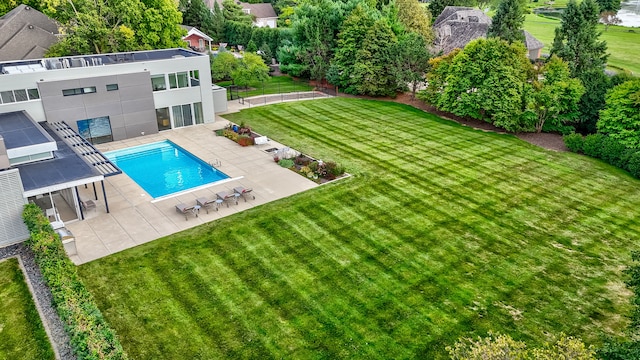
x: 26, y: 33
x: 457, y: 26
x: 263, y: 13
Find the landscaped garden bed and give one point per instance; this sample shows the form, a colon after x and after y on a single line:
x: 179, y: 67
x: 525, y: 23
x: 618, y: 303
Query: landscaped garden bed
x: 241, y: 134
x: 316, y: 170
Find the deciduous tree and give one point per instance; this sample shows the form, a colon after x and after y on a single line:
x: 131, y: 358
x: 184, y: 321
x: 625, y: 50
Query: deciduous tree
x: 608, y: 5
x: 609, y: 18
x: 250, y: 69
x: 488, y: 80
x: 222, y: 65
x: 620, y: 118
x: 555, y: 97
x: 507, y: 22
x: 415, y: 18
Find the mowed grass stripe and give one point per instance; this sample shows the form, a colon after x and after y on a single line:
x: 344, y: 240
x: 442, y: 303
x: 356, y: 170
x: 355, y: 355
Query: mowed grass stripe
x: 442, y: 232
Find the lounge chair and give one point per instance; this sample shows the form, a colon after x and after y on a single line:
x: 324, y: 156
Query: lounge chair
x: 206, y: 203
x: 244, y: 192
x: 186, y: 209
x: 87, y: 205
x: 228, y: 197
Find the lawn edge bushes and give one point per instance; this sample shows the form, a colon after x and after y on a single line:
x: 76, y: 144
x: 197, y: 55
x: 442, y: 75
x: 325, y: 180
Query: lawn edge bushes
x: 90, y: 334
x: 605, y: 148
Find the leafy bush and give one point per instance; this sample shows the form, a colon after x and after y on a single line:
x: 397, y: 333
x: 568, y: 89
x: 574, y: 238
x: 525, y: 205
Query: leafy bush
x: 592, y: 145
x: 245, y: 140
x: 286, y: 163
x: 613, y: 152
x: 634, y: 164
x: 574, y: 142
x: 91, y: 337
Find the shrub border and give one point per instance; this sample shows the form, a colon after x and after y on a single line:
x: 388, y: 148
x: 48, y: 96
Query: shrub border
x: 90, y: 334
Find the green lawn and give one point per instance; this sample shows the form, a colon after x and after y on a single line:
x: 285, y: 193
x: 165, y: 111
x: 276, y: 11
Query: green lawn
x: 442, y: 232
x: 624, y: 46
x: 275, y: 85
x: 22, y: 335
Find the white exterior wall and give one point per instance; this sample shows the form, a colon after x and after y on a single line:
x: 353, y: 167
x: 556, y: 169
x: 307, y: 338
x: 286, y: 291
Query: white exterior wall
x: 266, y: 22
x: 164, y: 98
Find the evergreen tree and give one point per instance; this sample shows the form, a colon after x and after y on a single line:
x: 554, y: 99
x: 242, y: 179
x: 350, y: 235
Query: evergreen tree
x: 217, y: 23
x: 507, y: 22
x: 577, y: 42
x: 195, y: 13
x: 415, y: 18
x: 608, y: 5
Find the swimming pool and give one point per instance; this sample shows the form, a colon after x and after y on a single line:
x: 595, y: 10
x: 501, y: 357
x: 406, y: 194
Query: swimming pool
x: 164, y: 168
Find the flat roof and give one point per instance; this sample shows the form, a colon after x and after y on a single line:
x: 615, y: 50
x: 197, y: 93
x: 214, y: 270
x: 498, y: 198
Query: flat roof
x: 65, y: 167
x: 67, y: 62
x: 19, y: 130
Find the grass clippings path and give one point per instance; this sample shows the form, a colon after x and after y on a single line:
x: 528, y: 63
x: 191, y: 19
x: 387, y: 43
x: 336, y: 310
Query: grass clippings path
x: 442, y: 232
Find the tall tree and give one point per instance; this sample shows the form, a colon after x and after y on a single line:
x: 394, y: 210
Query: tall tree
x: 222, y: 65
x: 233, y: 12
x: 415, y: 18
x: 608, y: 5
x: 217, y: 23
x: 577, y: 42
x: 411, y: 61
x: 488, y: 80
x: 620, y: 118
x: 99, y: 26
x: 372, y: 73
x: 352, y: 34
x: 507, y: 22
x: 195, y: 13
x: 555, y: 96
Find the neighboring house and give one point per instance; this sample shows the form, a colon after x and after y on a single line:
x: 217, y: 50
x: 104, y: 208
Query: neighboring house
x: 457, y: 26
x: 46, y: 104
x: 263, y: 14
x: 26, y: 33
x: 196, y: 39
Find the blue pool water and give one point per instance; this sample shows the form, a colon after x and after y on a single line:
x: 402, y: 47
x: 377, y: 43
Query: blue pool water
x: 164, y: 168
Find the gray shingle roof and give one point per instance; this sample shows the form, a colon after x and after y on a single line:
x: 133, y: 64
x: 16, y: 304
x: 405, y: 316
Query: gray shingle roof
x: 457, y: 26
x: 26, y: 33
x: 260, y: 11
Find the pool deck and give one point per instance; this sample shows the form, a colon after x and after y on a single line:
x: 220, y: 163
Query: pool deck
x: 135, y: 218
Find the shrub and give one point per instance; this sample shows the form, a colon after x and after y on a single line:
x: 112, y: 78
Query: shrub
x: 634, y: 164
x: 574, y: 142
x: 245, y: 140
x: 613, y: 152
x: 91, y: 337
x: 592, y: 145
x: 286, y: 163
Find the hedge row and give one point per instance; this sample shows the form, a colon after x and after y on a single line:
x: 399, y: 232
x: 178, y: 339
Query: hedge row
x: 91, y: 337
x: 606, y: 148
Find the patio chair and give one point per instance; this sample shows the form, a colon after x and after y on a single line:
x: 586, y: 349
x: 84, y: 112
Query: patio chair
x: 228, y: 197
x: 87, y: 205
x: 186, y: 209
x: 206, y: 203
x: 244, y: 192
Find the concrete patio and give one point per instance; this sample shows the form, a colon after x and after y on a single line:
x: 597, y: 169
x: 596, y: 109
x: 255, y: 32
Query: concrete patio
x: 136, y: 218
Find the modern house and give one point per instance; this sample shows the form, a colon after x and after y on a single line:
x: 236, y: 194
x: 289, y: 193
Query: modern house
x: 196, y: 39
x: 457, y: 26
x: 26, y: 33
x: 52, y: 112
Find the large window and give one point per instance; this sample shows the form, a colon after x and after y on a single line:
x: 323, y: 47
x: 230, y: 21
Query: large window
x: 182, y: 115
x: 7, y: 97
x: 162, y: 116
x: 197, y: 112
x: 33, y: 94
x: 158, y: 83
x: 96, y: 130
x: 194, y: 76
x: 178, y: 80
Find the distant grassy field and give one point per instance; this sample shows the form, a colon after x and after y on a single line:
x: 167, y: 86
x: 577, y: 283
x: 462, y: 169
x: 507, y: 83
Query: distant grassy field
x: 275, y: 85
x: 22, y: 335
x: 442, y: 232
x: 624, y: 46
